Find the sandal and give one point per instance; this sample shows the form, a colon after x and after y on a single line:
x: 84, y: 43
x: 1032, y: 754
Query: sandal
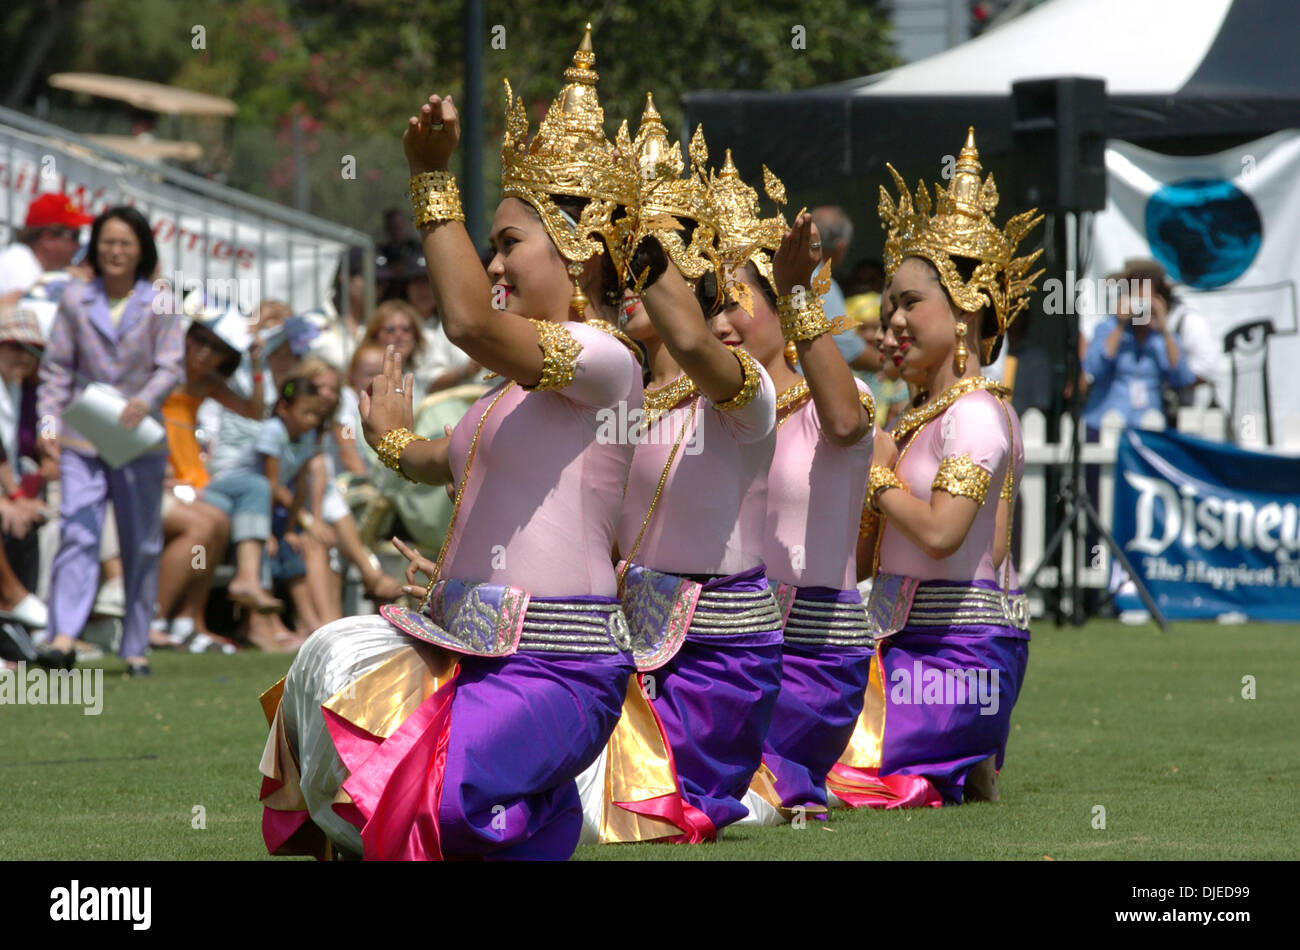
x: 256, y: 600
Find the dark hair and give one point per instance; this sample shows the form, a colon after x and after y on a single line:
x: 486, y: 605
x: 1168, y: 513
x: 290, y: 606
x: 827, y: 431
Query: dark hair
x: 138, y: 224
x: 231, y: 357
x: 294, y: 389
x: 706, y: 290
x: 988, y: 326
x: 611, y: 292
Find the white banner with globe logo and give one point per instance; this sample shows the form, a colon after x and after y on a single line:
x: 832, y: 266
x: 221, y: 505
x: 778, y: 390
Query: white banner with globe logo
x: 1226, y: 227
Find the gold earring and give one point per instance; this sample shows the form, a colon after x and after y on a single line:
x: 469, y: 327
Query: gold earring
x: 959, y: 354
x: 578, y: 302
x: 791, y: 354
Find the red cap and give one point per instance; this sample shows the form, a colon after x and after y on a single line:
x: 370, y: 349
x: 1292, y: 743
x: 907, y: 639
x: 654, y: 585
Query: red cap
x: 55, y: 210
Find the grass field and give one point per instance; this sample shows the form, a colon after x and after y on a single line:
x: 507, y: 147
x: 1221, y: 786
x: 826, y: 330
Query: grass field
x: 1152, y: 727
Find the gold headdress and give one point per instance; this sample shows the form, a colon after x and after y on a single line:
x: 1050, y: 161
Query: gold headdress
x: 962, y: 226
x: 569, y: 155
x: 742, y: 235
x: 665, y: 196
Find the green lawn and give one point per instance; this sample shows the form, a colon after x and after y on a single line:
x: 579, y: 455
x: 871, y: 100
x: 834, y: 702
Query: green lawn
x: 1153, y: 727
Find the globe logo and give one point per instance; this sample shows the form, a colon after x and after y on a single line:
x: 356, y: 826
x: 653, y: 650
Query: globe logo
x: 1205, y: 231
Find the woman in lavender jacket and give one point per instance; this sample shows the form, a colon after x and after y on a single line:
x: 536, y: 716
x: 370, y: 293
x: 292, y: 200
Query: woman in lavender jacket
x: 114, y: 330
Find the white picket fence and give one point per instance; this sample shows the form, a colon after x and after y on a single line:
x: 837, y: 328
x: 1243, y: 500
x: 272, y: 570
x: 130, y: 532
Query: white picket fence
x: 1035, y: 505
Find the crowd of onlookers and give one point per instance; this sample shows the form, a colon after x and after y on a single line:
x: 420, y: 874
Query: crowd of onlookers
x: 256, y: 483
x: 262, y: 480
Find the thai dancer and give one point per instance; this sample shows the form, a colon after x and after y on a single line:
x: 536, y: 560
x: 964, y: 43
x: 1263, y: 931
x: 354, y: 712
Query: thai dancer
x: 825, y: 428
x: 458, y: 730
x: 706, y: 631
x: 951, y: 625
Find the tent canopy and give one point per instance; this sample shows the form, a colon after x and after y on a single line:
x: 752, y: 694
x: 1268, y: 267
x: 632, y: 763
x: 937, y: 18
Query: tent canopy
x: 150, y: 96
x: 1194, y: 76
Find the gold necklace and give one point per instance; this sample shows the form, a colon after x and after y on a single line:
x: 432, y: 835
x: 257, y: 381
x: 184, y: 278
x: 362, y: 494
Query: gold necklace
x: 460, y: 492
x: 791, y: 399
x: 913, y: 419
x: 658, y: 401
x: 663, y: 477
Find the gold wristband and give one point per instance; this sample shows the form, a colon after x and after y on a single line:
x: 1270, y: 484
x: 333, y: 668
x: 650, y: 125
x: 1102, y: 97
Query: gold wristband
x: 392, y: 445
x: 882, y: 477
x: 435, y: 197
x: 802, y: 323
x: 748, y: 387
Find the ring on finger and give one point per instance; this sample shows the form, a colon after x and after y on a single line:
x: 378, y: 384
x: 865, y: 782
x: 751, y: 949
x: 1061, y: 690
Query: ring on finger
x: 436, y: 126
x: 816, y: 245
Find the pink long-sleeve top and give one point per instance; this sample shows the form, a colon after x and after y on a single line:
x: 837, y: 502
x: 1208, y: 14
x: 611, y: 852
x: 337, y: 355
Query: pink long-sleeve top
x: 710, y: 516
x: 975, y: 426
x: 814, y: 492
x: 543, y: 497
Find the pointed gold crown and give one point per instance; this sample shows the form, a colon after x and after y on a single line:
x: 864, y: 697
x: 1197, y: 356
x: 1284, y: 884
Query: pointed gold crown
x: 569, y: 155
x: 962, y: 226
x: 665, y: 196
x: 742, y: 235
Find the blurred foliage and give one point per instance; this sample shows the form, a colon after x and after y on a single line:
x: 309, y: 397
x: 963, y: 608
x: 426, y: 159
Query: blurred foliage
x: 351, y: 71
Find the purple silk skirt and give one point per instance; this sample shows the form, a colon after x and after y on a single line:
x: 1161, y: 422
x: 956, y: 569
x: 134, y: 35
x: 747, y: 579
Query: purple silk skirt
x: 949, y: 692
x: 822, y: 690
x: 715, y: 699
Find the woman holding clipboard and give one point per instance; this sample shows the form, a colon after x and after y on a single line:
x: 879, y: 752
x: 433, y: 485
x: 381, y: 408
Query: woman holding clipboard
x: 110, y: 330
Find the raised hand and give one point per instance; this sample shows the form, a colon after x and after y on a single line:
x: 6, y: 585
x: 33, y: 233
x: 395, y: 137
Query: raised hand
x: 796, y: 259
x: 389, y: 403
x: 431, y: 136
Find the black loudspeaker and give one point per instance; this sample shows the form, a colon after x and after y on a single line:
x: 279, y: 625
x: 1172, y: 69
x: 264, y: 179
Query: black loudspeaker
x: 1058, y: 137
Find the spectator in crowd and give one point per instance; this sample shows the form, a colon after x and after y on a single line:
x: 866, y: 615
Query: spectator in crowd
x: 21, y: 509
x: 286, y: 443
x: 870, y: 311
x: 350, y: 301
x: 197, y: 511
x: 396, y: 322
x: 329, y: 523
x: 113, y: 331
x: 867, y: 277
x: 1132, y: 356
x: 836, y: 231
x: 400, y: 241
x: 1201, y: 351
x: 284, y: 339
x: 46, y: 242
x: 444, y: 365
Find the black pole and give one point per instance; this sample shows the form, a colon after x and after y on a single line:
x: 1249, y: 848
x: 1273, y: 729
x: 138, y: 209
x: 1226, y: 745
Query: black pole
x: 471, y: 117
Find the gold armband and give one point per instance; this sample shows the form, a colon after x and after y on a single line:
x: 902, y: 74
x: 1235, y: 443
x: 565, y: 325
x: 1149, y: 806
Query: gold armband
x: 882, y: 477
x: 958, y: 475
x: 559, y: 355
x: 802, y: 323
x: 435, y: 197
x: 748, y: 388
x: 392, y: 445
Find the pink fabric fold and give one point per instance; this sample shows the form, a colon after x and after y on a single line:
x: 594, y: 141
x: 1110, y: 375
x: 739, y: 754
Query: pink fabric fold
x: 883, y: 791
x: 396, y: 783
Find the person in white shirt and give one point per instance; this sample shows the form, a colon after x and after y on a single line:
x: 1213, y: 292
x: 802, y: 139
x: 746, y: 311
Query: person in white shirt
x: 47, y: 241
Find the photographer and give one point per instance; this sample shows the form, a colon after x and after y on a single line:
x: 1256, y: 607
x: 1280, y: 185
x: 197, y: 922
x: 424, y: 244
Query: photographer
x: 1133, y: 355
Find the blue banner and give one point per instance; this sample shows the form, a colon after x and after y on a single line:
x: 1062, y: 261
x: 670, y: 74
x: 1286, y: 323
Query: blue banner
x: 1211, y: 528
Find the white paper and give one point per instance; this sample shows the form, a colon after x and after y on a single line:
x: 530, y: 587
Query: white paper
x: 95, y: 415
